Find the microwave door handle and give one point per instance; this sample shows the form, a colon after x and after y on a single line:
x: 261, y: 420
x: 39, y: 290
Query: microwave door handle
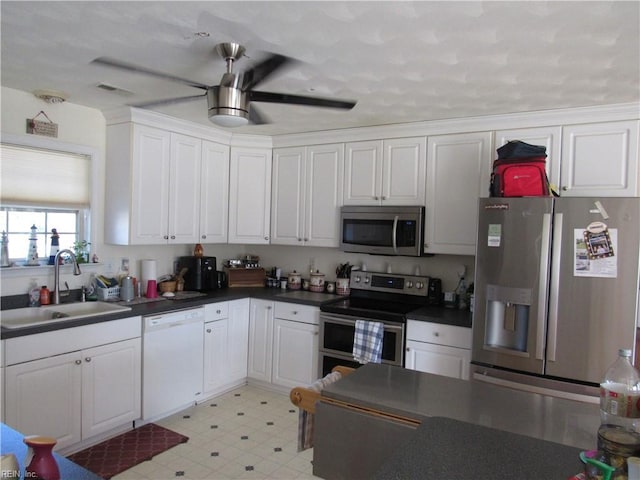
x: 394, y: 234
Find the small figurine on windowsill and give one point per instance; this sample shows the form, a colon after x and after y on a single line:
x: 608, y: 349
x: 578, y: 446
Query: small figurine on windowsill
x: 55, y: 246
x: 32, y: 255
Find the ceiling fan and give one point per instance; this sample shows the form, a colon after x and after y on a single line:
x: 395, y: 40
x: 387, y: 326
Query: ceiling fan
x: 230, y: 101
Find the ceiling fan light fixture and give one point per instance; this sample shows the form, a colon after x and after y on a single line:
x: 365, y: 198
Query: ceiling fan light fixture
x: 229, y: 120
x: 227, y: 106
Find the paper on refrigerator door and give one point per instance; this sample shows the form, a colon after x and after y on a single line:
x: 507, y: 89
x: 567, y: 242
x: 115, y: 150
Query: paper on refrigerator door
x: 494, y: 235
x: 603, y: 267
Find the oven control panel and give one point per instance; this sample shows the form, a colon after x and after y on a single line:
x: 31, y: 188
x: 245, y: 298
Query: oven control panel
x: 390, y: 283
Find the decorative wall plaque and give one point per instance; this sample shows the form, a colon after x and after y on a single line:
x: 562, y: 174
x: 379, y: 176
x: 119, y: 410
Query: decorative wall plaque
x: 39, y: 127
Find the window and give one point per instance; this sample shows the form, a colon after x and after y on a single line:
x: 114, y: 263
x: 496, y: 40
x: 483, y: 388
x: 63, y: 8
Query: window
x: 17, y: 223
x: 47, y: 188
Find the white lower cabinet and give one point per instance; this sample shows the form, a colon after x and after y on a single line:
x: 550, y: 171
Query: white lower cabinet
x: 226, y: 333
x: 260, y: 339
x: 76, y: 395
x: 283, y: 343
x: 439, y: 349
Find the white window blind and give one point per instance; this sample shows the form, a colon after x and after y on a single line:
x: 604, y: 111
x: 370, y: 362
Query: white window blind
x: 30, y: 176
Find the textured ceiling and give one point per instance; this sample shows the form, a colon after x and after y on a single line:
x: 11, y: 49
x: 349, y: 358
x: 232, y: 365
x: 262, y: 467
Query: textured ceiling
x: 402, y: 61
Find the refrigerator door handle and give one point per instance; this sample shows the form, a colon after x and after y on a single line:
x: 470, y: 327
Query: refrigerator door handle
x: 542, y: 285
x: 554, y: 285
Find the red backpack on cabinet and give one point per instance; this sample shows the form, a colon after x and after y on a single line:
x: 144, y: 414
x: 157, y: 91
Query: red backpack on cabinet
x: 520, y: 171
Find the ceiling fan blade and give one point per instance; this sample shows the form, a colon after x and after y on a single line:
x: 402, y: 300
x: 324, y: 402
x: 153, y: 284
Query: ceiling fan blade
x: 263, y: 70
x: 168, y: 101
x: 256, y: 116
x: 130, y: 67
x: 301, y: 100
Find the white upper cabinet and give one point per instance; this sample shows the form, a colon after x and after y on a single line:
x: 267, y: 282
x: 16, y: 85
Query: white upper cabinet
x: 307, y: 195
x: 159, y: 192
x: 287, y: 194
x: 550, y: 137
x: 385, y: 172
x: 249, y: 195
x: 184, y: 189
x: 214, y: 193
x: 137, y: 185
x: 600, y: 159
x: 458, y: 172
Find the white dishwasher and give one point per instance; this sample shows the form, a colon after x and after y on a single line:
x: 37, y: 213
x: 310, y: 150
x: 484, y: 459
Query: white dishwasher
x: 172, y: 362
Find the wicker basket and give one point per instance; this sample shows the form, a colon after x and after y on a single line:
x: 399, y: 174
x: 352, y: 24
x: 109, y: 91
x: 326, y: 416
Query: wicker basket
x: 169, y: 286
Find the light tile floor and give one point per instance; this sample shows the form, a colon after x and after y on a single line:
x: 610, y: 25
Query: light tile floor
x: 248, y: 433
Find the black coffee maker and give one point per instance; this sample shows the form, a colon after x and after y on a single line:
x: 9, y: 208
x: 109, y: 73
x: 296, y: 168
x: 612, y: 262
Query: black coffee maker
x: 201, y: 273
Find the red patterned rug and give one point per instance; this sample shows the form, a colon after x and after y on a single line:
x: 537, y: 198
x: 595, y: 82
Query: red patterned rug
x: 120, y: 453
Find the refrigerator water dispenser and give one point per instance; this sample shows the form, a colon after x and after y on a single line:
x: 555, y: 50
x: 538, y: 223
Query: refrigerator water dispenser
x: 507, y: 318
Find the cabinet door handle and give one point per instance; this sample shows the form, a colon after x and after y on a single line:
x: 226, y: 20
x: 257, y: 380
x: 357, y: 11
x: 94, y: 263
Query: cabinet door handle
x: 266, y: 237
x: 78, y: 362
x: 87, y: 359
x: 166, y: 237
x: 376, y: 198
x: 218, y: 312
x: 173, y: 237
x: 408, y: 349
x: 565, y: 188
x: 306, y: 239
x: 269, y: 308
x: 384, y: 198
x: 208, y: 330
x: 203, y: 236
x: 294, y: 312
x: 436, y: 334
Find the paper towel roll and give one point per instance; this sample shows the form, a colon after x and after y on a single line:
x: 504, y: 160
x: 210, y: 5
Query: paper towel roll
x: 148, y: 272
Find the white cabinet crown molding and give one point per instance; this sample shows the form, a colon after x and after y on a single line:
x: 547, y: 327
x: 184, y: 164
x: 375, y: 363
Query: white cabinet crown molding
x: 604, y: 113
x: 165, y: 122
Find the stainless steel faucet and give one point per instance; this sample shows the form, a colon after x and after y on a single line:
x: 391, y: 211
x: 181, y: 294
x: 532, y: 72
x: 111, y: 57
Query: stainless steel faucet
x: 56, y: 273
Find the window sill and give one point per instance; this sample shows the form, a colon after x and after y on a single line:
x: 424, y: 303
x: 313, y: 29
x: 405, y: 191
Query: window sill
x: 38, y: 270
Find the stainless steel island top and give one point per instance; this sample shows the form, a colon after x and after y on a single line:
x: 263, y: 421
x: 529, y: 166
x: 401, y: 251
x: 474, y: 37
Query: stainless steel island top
x: 418, y: 395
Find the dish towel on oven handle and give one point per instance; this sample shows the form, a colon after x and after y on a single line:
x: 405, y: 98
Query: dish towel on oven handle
x: 367, y: 341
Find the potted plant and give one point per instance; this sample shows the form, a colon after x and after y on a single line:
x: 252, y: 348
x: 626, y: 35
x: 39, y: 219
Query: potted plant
x: 81, y: 251
x: 343, y: 272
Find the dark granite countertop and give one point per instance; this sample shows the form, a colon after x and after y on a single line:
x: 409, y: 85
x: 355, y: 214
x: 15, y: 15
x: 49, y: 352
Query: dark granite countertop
x: 418, y: 395
x: 447, y: 316
x: 429, y: 314
x: 444, y: 448
x: 12, y: 442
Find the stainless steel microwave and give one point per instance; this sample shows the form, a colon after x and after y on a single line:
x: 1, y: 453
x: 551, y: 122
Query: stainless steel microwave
x: 382, y: 230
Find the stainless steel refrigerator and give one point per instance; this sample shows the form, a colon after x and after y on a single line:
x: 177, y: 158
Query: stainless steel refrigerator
x: 556, y: 289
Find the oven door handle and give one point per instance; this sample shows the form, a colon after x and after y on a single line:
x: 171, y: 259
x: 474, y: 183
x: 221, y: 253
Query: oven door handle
x: 339, y: 320
x: 351, y: 321
x: 394, y: 233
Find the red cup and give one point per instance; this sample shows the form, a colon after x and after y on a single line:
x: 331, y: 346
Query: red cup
x: 152, y: 289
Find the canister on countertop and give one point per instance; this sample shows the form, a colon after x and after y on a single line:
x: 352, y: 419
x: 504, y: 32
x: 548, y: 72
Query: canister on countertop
x: 618, y: 444
x: 317, y: 282
x: 127, y: 292
x: 294, y: 282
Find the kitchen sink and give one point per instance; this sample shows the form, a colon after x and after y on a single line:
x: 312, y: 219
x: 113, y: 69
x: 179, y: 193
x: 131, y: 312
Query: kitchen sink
x: 29, y: 316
